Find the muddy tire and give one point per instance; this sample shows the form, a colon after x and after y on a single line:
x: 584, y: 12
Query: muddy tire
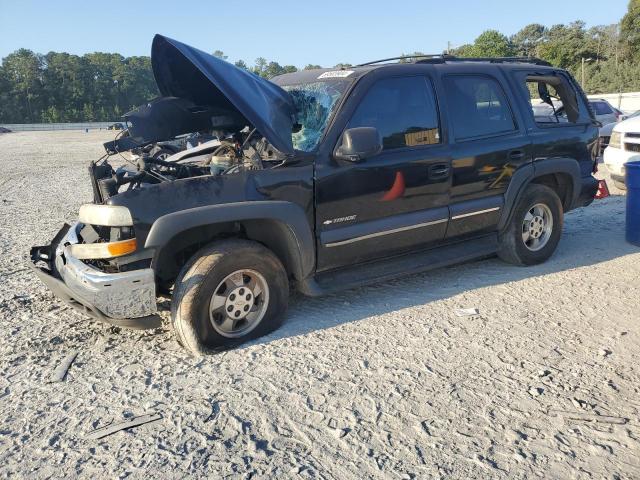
x: 229, y: 292
x: 534, y: 230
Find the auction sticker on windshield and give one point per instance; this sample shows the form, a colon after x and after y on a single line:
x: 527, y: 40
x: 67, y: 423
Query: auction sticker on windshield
x: 336, y: 74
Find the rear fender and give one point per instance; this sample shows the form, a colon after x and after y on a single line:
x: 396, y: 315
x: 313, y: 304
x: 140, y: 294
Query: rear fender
x: 529, y: 172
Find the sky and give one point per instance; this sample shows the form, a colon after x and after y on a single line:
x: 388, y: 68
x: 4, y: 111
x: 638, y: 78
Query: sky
x: 297, y: 33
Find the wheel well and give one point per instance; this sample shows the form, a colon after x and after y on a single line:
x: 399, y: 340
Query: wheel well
x: 274, y: 235
x: 561, y: 183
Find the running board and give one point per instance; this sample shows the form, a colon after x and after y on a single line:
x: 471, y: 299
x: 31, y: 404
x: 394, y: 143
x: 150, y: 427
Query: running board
x: 388, y: 269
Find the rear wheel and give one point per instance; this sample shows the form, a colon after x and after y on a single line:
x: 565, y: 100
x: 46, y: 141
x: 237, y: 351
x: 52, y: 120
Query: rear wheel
x: 231, y: 291
x: 535, y: 227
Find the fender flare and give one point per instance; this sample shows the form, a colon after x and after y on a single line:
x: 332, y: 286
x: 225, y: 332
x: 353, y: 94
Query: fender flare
x: 289, y: 217
x: 527, y: 173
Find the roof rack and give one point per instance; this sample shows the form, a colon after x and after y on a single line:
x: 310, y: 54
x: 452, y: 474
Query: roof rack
x: 443, y: 57
x: 404, y: 57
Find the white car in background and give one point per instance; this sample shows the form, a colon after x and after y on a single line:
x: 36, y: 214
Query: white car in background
x: 624, y: 146
x: 605, y: 112
x: 605, y: 130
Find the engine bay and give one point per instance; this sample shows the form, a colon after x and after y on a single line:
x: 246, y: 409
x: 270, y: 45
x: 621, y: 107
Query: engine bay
x: 228, y: 153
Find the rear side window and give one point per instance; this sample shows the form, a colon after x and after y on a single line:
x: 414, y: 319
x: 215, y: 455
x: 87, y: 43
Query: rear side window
x: 404, y: 111
x: 553, y: 100
x: 478, y: 106
x: 601, y: 108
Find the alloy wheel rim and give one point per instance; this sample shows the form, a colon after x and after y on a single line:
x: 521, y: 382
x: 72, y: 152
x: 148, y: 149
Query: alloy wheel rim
x: 239, y: 303
x: 537, y: 227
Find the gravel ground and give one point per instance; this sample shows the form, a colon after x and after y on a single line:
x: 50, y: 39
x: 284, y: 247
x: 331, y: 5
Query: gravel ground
x: 379, y: 382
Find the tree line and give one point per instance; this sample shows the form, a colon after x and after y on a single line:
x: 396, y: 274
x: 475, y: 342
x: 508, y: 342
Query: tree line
x: 60, y: 87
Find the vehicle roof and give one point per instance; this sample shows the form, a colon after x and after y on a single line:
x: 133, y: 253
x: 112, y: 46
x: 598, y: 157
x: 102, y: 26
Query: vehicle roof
x: 306, y: 76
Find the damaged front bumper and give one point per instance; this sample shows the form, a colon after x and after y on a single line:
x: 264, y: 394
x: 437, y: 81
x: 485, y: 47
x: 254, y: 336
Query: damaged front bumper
x: 126, y: 299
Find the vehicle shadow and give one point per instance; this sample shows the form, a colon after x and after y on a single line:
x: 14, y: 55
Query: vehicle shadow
x: 591, y: 235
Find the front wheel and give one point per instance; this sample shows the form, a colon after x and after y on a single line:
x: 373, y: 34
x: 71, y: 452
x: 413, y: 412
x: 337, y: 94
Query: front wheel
x: 230, y: 291
x: 534, y: 230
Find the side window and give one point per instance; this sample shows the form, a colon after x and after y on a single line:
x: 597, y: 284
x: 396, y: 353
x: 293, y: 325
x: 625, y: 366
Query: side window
x: 553, y: 100
x: 478, y: 106
x: 403, y: 109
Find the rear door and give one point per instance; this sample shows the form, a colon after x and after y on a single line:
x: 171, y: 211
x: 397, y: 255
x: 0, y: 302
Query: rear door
x: 398, y: 200
x: 489, y: 145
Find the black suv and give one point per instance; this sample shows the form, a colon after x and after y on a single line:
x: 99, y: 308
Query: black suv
x: 319, y: 180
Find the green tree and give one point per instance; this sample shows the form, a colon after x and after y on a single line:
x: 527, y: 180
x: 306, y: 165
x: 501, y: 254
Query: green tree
x: 241, y: 64
x: 492, y: 43
x: 23, y: 70
x: 219, y: 54
x: 409, y: 57
x: 310, y: 66
x: 630, y: 31
x: 566, y: 45
x: 525, y: 42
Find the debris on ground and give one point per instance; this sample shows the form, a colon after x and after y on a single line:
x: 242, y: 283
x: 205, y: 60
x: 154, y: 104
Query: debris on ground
x: 467, y: 312
x: 536, y: 391
x: 60, y: 373
x: 110, y: 429
x: 590, y: 417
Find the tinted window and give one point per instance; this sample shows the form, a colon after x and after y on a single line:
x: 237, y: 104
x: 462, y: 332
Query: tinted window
x: 402, y: 109
x: 601, y: 108
x: 478, y: 106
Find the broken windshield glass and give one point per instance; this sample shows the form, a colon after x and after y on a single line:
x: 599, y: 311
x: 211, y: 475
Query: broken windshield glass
x: 314, y: 103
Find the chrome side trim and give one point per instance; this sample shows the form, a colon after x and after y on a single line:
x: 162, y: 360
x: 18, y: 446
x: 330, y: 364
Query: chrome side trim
x: 385, y: 232
x: 479, y: 212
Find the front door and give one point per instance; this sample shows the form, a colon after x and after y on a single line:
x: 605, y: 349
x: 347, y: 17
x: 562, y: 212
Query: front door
x: 397, y: 200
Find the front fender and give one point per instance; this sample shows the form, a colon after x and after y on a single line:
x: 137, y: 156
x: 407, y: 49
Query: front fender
x: 294, y: 228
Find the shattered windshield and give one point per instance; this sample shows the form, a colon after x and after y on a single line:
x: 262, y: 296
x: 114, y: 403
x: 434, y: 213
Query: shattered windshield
x: 314, y: 103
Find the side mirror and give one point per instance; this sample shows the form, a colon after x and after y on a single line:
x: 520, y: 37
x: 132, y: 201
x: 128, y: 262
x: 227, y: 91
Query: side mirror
x: 359, y: 143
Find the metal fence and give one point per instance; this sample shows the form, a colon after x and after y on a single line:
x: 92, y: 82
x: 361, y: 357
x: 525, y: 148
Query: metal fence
x: 32, y: 127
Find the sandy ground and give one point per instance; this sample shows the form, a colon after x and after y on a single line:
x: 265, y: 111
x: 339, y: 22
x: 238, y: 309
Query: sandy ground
x: 379, y: 382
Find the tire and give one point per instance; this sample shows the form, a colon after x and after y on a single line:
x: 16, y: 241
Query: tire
x: 620, y: 185
x: 214, y: 270
x: 536, y: 203
x: 161, y: 154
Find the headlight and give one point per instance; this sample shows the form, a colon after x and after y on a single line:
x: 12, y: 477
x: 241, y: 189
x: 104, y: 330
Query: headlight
x: 105, y: 215
x: 93, y: 251
x: 616, y: 140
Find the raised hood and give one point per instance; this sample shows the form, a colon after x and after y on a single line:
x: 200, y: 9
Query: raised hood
x: 188, y: 73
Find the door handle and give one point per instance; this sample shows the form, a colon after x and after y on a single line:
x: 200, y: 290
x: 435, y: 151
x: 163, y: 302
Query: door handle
x: 516, y: 155
x: 439, y: 170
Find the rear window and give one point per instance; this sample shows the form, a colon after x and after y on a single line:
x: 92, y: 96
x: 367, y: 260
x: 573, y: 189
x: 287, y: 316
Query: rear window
x: 601, y: 108
x: 478, y: 106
